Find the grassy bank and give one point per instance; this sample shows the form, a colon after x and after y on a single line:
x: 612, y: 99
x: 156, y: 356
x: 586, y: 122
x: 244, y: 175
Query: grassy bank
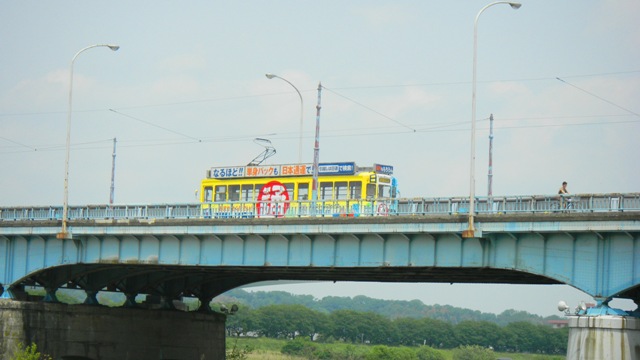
x: 269, y: 349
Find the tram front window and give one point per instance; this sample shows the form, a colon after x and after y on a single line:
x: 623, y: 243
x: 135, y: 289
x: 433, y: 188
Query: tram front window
x: 371, y: 191
x: 384, y: 191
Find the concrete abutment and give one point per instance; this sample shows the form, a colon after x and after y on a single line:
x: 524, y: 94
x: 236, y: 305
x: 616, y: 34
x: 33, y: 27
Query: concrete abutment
x: 605, y: 337
x: 104, y: 333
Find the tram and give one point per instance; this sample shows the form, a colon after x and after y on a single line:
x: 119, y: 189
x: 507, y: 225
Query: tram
x: 344, y: 189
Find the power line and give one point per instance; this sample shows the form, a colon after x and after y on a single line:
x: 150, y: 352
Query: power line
x: 372, y: 110
x: 601, y: 98
x: 154, y: 125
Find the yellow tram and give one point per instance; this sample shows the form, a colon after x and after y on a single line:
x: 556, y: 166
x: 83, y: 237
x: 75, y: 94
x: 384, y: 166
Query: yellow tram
x: 286, y: 190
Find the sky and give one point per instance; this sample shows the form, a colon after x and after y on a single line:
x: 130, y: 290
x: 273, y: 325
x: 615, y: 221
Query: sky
x: 187, y: 91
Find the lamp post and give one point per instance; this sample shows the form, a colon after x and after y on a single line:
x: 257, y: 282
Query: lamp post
x: 65, y: 208
x: 470, y: 232
x: 271, y: 76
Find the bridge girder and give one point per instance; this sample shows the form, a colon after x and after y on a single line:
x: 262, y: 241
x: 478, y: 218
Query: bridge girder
x: 205, y: 259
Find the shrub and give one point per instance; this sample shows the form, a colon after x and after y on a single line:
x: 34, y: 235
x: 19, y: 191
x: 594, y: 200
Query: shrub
x: 473, y: 352
x: 29, y: 353
x: 429, y: 353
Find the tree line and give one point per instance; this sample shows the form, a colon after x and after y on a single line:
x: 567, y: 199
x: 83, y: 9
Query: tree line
x: 288, y: 321
x: 388, y: 308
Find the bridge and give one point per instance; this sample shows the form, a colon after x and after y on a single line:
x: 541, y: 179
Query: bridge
x: 591, y: 242
x: 172, y: 251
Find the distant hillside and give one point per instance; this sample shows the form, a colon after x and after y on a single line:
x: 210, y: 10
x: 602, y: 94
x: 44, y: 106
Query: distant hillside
x: 389, y: 308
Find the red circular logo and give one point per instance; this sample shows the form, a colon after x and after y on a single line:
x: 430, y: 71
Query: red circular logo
x: 273, y: 200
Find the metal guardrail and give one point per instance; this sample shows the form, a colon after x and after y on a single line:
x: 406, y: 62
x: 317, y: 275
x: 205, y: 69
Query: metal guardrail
x: 533, y: 204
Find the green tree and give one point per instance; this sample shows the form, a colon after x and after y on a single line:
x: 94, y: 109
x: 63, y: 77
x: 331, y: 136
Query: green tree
x: 436, y: 333
x: 288, y: 321
x: 409, y: 333
x: 481, y: 333
x: 241, y: 322
x: 345, y: 325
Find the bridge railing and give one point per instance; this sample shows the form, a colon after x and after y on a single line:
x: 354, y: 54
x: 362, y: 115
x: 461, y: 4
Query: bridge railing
x: 342, y: 208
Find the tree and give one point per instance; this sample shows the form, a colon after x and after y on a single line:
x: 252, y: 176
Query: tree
x: 437, y: 333
x: 243, y: 321
x: 481, y: 333
x: 289, y: 321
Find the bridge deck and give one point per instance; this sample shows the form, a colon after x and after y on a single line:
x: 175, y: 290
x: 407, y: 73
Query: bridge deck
x: 597, y: 252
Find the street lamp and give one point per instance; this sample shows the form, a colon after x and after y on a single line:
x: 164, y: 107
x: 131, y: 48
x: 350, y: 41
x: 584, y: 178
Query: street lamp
x: 470, y: 232
x: 65, y: 208
x: 271, y: 76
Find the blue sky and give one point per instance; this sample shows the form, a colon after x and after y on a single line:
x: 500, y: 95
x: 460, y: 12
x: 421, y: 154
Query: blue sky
x: 188, y: 92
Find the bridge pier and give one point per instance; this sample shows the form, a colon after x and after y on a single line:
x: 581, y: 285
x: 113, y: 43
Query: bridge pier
x: 104, y: 333
x: 605, y: 337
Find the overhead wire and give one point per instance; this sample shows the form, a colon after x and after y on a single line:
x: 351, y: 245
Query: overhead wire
x: 358, y: 131
x: 599, y: 97
x: 154, y: 125
x: 370, y: 109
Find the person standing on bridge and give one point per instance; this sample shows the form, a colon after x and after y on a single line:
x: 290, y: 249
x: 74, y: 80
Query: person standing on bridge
x: 563, y: 189
x: 562, y: 192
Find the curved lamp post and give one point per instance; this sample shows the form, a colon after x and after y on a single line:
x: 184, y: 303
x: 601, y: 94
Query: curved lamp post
x: 470, y: 232
x: 271, y: 76
x: 65, y: 208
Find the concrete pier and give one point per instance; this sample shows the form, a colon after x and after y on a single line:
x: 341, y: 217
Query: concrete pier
x: 604, y: 337
x: 83, y: 332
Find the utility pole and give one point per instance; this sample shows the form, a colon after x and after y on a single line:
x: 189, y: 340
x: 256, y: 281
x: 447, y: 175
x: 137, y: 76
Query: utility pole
x: 113, y: 173
x: 316, y: 154
x: 490, y: 182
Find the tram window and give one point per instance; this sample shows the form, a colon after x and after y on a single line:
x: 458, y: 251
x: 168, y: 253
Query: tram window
x: 247, y: 193
x: 371, y: 190
x: 341, y: 190
x: 257, y: 191
x: 355, y: 190
x: 383, y: 191
x: 289, y: 187
x: 326, y: 190
x: 208, y: 193
x: 221, y: 193
x: 303, y: 191
x: 234, y: 192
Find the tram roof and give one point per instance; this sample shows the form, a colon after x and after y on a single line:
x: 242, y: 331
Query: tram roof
x: 280, y: 170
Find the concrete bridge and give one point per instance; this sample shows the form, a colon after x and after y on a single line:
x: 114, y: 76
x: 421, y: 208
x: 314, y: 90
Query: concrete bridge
x: 597, y: 252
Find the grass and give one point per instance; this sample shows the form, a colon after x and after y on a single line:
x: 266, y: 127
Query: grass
x: 269, y: 349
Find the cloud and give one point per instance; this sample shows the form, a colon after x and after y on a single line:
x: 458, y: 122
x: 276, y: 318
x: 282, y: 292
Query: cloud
x: 385, y: 14
x: 183, y: 63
